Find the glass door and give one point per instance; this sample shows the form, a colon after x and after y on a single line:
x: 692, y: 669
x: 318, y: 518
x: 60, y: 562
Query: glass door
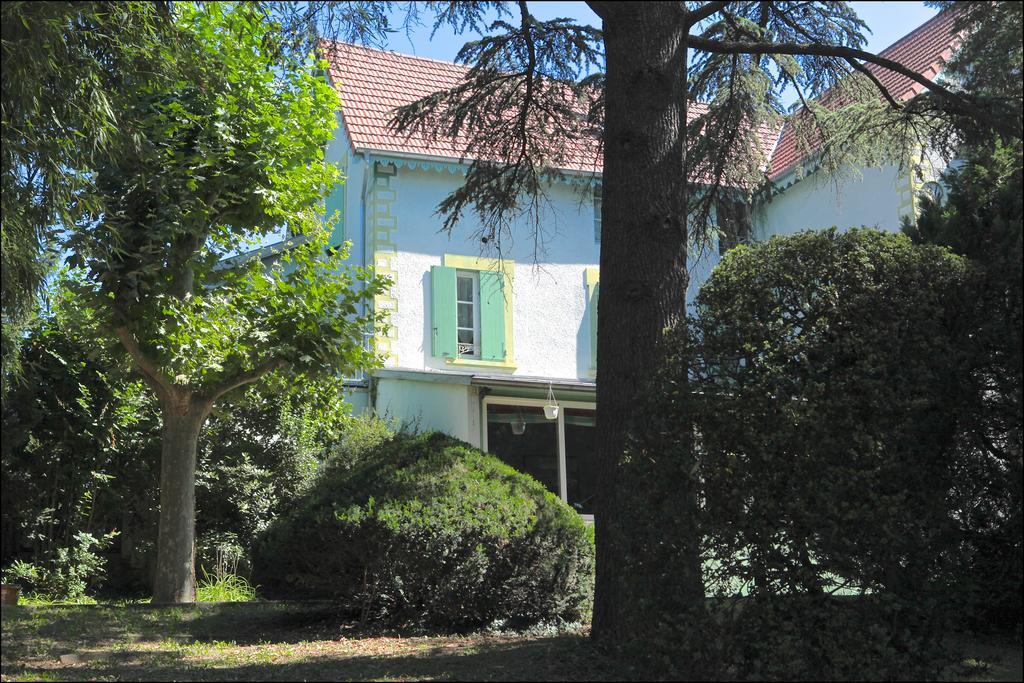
x: 523, y: 438
x: 558, y: 453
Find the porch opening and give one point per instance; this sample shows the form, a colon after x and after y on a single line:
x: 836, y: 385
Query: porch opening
x: 558, y: 453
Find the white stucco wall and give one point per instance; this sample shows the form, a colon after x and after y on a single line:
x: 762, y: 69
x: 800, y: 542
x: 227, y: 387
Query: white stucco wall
x: 877, y: 199
x: 450, y: 408
x: 550, y: 328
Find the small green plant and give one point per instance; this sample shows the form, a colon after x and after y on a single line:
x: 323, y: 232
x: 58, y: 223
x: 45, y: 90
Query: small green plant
x: 225, y: 584
x: 66, y: 572
x: 43, y: 600
x: 225, y: 588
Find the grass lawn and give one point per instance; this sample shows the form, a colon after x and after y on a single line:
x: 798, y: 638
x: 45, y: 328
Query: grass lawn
x: 273, y: 641
x: 237, y: 641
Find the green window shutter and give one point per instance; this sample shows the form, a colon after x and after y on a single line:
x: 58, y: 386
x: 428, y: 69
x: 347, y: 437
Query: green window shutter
x: 492, y: 315
x: 594, y: 292
x: 442, y: 311
x: 336, y: 202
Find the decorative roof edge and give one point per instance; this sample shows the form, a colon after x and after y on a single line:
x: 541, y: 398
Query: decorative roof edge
x: 459, y: 166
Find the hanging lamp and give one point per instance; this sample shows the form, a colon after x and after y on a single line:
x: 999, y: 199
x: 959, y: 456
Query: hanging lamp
x: 519, y: 424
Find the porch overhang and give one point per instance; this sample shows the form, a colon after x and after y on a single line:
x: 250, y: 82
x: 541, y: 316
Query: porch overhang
x: 497, y: 383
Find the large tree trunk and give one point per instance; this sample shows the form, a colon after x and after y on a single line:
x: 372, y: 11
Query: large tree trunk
x: 175, y: 574
x: 644, y: 279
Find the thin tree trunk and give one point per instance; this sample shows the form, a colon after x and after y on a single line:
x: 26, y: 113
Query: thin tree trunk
x: 175, y: 575
x: 643, y: 273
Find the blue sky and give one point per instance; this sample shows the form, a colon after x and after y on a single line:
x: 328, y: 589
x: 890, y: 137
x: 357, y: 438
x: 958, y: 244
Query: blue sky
x: 888, y: 22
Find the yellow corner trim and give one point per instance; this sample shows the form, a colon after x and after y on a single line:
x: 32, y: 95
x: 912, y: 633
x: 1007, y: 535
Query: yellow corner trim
x: 593, y: 278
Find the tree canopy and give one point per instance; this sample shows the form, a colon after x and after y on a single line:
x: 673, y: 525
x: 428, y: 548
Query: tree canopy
x: 67, y: 66
x: 219, y: 142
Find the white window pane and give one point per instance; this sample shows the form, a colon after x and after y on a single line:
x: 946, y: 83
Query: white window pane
x: 466, y: 336
x: 465, y: 292
x: 465, y: 315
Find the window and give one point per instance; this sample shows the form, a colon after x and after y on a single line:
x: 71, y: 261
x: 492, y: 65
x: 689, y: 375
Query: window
x: 559, y: 453
x: 467, y: 314
x: 597, y: 214
x: 733, y: 218
x: 470, y: 311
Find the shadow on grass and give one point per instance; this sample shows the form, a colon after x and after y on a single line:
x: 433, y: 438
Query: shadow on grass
x: 271, y: 642
x: 555, y: 658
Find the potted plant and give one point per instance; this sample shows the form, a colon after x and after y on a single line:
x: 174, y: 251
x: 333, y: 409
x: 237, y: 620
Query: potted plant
x: 9, y: 594
x: 551, y: 407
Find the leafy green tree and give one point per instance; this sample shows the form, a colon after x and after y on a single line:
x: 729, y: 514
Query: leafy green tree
x: 81, y: 455
x: 228, y: 147
x: 66, y: 67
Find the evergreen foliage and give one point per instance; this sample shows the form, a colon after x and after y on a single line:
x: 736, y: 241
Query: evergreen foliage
x: 826, y: 376
x: 981, y: 218
x: 68, y: 67
x: 431, y: 532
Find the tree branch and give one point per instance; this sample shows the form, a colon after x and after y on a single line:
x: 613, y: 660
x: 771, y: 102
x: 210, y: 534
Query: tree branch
x: 267, y: 366
x: 878, y: 84
x: 744, y: 47
x: 852, y: 62
x: 160, y: 382
x: 698, y: 15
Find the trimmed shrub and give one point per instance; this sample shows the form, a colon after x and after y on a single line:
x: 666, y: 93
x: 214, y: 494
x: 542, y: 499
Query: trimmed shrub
x: 801, y: 435
x: 362, y: 436
x: 432, y: 532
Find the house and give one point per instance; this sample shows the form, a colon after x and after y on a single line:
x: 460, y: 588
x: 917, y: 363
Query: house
x: 477, y: 345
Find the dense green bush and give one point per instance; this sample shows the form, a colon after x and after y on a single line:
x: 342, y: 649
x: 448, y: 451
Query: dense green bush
x: 432, y: 532
x: 62, y: 573
x: 810, y: 413
x: 982, y: 218
x: 361, y: 437
x: 830, y: 370
x: 81, y: 455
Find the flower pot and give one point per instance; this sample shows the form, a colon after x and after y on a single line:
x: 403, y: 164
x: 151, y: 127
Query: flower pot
x: 551, y: 411
x: 9, y: 594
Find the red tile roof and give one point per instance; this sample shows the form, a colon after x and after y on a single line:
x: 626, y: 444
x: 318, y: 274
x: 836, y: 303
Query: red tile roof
x: 924, y: 50
x: 372, y: 83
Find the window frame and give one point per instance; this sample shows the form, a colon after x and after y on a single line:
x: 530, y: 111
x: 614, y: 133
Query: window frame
x: 481, y: 264
x: 474, y: 277
x: 735, y: 224
x: 563, y: 473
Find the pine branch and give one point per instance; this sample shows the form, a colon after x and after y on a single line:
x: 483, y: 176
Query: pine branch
x: 959, y: 102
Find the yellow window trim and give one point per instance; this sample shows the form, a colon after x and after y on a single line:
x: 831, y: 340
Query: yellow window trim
x: 592, y: 277
x: 507, y: 267
x: 481, y: 363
